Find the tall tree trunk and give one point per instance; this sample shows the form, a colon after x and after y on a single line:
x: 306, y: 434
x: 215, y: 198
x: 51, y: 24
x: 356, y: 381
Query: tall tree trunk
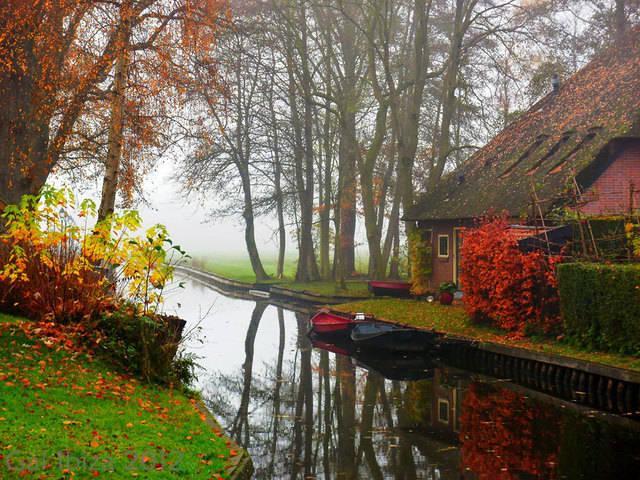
x: 116, y: 124
x: 366, y: 164
x: 325, y: 190
x: 449, y: 100
x: 24, y: 133
x: 277, y: 181
x: 307, y: 266
x: 394, y: 268
x: 348, y: 194
x: 620, y: 19
x: 249, y: 229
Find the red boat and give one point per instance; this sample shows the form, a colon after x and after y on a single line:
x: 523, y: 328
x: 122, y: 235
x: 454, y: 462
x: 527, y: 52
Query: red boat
x: 327, y: 321
x: 390, y: 288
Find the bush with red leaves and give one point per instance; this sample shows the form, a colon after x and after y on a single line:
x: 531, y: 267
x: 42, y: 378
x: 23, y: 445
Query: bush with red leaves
x: 504, y: 286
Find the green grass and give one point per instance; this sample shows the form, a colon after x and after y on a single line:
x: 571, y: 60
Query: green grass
x: 453, y: 320
x: 239, y: 269
x: 354, y: 288
x: 64, y: 414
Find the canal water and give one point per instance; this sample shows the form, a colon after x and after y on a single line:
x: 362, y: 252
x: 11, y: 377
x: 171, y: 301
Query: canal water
x: 305, y: 412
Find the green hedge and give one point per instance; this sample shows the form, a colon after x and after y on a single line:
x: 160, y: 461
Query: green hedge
x: 600, y: 305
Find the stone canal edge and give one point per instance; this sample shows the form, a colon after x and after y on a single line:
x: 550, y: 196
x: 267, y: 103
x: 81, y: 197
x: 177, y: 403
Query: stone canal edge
x: 239, y: 467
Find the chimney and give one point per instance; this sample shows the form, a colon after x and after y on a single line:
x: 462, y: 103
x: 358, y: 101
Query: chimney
x: 555, y: 83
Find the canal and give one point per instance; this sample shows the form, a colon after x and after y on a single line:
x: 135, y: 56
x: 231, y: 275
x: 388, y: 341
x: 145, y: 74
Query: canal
x: 306, y: 412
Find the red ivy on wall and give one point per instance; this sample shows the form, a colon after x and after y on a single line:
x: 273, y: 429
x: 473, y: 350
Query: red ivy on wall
x: 504, y: 437
x: 504, y: 286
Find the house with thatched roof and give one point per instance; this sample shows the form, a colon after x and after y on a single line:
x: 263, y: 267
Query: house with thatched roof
x: 582, y: 139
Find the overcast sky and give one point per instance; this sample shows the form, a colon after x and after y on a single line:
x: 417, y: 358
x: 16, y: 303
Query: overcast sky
x: 189, y: 224
x: 187, y: 220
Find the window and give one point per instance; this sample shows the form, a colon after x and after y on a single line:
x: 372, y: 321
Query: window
x: 443, y: 411
x: 443, y: 246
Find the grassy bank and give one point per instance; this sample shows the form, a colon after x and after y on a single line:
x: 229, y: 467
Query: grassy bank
x: 353, y: 288
x: 65, y: 414
x: 239, y: 269
x: 453, y: 320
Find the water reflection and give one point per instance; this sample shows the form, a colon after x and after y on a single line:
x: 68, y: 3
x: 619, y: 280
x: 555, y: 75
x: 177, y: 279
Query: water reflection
x: 306, y: 412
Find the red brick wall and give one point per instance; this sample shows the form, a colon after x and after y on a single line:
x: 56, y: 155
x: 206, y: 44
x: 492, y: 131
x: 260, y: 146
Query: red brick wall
x: 610, y: 194
x: 442, y: 267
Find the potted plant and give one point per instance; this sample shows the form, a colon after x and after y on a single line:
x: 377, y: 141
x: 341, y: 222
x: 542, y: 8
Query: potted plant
x: 447, y: 291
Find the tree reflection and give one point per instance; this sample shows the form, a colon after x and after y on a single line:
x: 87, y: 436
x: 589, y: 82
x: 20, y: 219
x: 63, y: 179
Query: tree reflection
x: 307, y: 413
x: 242, y: 421
x: 276, y: 392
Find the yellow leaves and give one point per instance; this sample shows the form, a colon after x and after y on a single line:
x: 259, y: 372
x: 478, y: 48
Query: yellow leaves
x: 46, y: 245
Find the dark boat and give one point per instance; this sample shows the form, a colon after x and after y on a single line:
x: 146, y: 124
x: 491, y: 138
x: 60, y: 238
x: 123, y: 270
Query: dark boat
x: 396, y: 366
x: 386, y: 336
x: 390, y: 289
x: 329, y: 322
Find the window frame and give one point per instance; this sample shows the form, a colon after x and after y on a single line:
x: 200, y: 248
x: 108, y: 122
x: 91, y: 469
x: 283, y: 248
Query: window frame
x: 440, y: 237
x: 444, y: 402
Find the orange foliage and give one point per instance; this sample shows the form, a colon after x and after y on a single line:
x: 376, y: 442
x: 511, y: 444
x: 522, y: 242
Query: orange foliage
x: 56, y: 59
x: 504, y: 286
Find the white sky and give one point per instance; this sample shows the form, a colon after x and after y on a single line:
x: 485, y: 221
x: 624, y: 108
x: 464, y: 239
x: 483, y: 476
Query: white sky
x: 189, y: 225
x: 187, y: 220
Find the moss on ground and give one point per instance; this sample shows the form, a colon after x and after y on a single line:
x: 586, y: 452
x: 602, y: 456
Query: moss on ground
x: 65, y: 414
x: 453, y: 320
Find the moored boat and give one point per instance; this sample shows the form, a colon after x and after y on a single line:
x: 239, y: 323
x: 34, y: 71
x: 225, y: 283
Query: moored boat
x: 386, y: 336
x: 390, y: 288
x: 326, y: 321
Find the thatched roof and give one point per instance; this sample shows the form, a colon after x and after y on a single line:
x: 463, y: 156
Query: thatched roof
x: 562, y: 136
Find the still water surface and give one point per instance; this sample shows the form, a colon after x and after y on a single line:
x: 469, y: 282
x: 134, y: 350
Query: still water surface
x: 303, y: 412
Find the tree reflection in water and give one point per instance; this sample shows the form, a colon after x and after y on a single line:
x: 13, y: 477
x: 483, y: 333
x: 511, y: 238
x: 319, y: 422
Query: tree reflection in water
x: 309, y: 413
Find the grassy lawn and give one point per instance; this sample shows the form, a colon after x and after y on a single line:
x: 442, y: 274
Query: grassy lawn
x: 64, y: 414
x: 354, y: 289
x: 453, y: 320
x: 239, y: 268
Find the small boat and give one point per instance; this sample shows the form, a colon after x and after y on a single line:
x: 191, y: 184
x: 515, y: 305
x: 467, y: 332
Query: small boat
x: 259, y: 293
x: 390, y: 289
x: 386, y: 336
x: 326, y: 321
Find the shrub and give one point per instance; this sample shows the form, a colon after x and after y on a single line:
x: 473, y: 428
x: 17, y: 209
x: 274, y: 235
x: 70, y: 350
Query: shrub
x: 504, y: 286
x: 104, y: 279
x: 420, y: 260
x: 600, y: 305
x: 56, y: 270
x: 146, y: 345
